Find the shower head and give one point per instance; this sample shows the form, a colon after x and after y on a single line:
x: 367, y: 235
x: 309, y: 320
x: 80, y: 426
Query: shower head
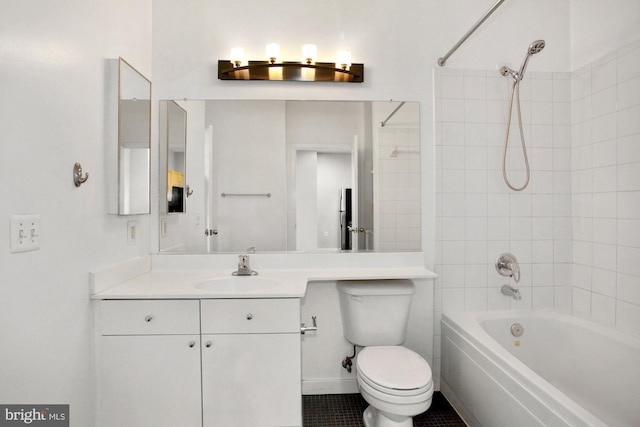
x: 534, y: 47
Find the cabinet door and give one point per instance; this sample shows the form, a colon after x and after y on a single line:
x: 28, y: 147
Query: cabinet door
x: 251, y: 380
x: 150, y: 381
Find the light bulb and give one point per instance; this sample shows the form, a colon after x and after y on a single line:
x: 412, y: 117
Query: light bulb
x: 344, y: 59
x: 309, y: 52
x: 273, y: 52
x: 237, y: 56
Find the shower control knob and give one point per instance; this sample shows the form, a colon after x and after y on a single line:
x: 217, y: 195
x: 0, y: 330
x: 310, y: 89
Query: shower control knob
x: 249, y: 316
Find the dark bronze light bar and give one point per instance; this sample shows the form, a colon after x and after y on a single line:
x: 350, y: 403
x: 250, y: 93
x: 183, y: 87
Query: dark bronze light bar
x: 291, y: 71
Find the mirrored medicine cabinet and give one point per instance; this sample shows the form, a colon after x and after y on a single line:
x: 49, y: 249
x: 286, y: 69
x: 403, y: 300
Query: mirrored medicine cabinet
x: 127, y: 139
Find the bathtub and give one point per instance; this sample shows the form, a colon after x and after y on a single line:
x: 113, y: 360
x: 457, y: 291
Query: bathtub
x: 562, y: 370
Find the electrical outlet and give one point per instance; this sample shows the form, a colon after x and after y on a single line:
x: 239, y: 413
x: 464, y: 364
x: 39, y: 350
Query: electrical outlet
x: 164, y: 228
x: 132, y: 238
x: 25, y: 233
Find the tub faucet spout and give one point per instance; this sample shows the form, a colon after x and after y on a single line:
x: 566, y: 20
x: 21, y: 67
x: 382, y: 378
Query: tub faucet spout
x: 510, y: 291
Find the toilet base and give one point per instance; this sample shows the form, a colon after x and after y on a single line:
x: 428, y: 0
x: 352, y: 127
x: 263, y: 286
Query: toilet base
x: 373, y: 417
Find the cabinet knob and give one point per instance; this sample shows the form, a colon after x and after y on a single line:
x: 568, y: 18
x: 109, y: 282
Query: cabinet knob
x: 148, y: 318
x: 208, y: 344
x: 192, y: 344
x: 249, y: 316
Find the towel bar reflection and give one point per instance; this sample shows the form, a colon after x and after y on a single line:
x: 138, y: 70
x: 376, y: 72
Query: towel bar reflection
x: 245, y: 194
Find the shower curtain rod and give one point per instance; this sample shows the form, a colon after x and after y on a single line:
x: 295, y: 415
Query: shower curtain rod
x: 443, y: 60
x: 384, y: 122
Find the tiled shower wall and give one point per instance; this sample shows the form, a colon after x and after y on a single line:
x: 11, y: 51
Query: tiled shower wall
x: 606, y: 189
x: 576, y: 228
x: 399, y: 181
x: 477, y: 216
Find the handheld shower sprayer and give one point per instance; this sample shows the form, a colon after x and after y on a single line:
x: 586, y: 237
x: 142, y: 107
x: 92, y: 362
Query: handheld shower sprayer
x: 534, y: 47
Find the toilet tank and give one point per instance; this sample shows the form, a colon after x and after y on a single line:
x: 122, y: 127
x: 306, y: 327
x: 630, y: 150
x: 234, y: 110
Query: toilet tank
x: 375, y: 312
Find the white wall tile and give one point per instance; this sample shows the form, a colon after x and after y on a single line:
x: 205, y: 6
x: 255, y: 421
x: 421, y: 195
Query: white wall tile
x: 603, y: 76
x: 542, y: 90
x: 628, y: 178
x: 628, y: 317
x: 603, y: 308
x: 627, y: 67
x: 628, y: 123
x: 581, y: 300
x: 628, y: 93
x: 628, y: 288
x: 604, y: 101
x: 628, y: 232
x: 603, y: 282
x: 628, y: 149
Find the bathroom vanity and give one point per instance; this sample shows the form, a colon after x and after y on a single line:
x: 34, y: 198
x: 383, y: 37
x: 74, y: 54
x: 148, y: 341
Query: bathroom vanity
x: 200, y: 362
x: 201, y: 349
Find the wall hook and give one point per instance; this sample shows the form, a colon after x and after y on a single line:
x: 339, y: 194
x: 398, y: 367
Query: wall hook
x: 78, y: 179
x: 189, y: 191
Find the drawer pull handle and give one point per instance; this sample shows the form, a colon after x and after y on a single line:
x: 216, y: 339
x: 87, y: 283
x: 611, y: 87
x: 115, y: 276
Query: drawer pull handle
x: 192, y: 344
x: 148, y: 318
x: 208, y: 344
x: 249, y: 316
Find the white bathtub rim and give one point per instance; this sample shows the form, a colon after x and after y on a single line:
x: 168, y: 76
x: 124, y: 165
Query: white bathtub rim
x: 549, y: 396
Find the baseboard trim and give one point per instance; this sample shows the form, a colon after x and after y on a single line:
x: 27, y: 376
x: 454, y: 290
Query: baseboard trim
x: 329, y: 386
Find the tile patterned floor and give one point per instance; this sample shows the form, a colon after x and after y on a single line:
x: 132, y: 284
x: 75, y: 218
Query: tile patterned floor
x: 345, y: 410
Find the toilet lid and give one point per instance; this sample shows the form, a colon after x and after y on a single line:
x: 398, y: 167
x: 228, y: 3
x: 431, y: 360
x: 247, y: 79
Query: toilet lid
x: 394, y: 367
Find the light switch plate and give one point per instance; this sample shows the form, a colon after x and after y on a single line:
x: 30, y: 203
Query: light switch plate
x: 25, y: 233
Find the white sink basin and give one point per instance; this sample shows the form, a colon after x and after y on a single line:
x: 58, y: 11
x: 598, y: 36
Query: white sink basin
x: 238, y: 284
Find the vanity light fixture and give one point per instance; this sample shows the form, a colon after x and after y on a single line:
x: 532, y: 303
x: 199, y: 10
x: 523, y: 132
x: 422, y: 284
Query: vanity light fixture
x: 275, y: 69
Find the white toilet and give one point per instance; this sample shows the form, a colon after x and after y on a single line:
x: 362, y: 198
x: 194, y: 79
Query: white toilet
x: 395, y: 381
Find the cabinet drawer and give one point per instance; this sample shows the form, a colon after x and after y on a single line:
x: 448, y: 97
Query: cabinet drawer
x: 150, y: 317
x: 232, y: 316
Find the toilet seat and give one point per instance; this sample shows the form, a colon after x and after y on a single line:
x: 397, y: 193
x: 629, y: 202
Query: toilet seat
x: 394, y: 370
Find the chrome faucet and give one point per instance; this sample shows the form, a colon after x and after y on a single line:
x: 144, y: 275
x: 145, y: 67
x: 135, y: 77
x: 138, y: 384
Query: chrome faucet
x: 510, y: 291
x: 243, y: 267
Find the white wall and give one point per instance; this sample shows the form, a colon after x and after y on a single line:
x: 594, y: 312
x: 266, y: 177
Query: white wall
x: 52, y: 68
x: 600, y: 27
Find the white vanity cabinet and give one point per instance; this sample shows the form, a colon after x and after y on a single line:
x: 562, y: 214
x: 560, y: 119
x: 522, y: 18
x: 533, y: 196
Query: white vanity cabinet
x: 200, y: 363
x: 251, y: 363
x: 149, y: 370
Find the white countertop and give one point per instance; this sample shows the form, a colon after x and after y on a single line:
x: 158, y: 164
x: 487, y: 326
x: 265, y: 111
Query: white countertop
x: 273, y: 283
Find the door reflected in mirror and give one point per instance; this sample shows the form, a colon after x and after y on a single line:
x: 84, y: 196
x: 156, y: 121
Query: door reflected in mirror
x: 296, y: 176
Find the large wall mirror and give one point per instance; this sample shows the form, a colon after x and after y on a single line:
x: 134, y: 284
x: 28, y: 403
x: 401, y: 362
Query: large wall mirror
x: 274, y: 175
x: 128, y: 139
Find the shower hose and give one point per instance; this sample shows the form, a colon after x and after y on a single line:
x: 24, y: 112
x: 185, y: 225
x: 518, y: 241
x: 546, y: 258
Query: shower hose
x: 515, y: 90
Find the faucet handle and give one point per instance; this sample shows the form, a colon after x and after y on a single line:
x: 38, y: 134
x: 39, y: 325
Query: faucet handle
x: 507, y: 265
